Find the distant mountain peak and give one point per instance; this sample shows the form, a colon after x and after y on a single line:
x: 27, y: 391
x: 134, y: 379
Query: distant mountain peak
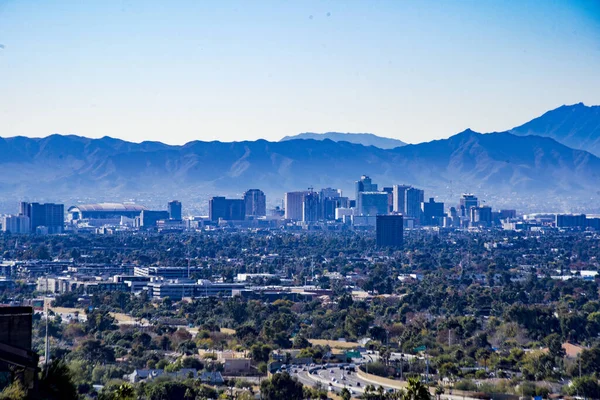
x: 365, y: 139
x: 575, y: 125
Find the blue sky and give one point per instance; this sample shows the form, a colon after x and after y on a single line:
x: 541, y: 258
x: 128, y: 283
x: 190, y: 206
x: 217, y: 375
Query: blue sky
x: 241, y: 70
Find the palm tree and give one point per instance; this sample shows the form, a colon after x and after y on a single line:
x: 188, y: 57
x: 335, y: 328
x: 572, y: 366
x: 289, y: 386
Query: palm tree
x: 416, y: 390
x: 345, y: 394
x: 439, y: 391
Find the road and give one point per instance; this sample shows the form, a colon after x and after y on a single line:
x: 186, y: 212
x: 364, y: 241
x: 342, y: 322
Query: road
x: 333, y: 378
x: 313, y: 376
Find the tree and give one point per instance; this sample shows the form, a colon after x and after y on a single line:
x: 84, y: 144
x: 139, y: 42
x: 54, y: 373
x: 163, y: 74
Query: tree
x: 281, y: 386
x: 56, y: 382
x: 345, y: 394
x: 260, y: 353
x: 439, y: 391
x: 586, y: 386
x: 555, y: 345
x: 14, y: 391
x: 94, y: 351
x: 416, y: 390
x: 300, y: 342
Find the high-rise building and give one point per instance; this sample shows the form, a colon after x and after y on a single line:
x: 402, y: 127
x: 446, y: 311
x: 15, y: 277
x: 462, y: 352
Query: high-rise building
x: 293, y: 202
x: 174, y: 208
x: 467, y: 201
x: 256, y: 203
x: 49, y: 215
x: 15, y: 223
x: 330, y: 199
x: 330, y: 192
x: 311, y: 207
x: 373, y: 203
x: 399, y: 198
x: 412, y: 202
x: 481, y: 216
x: 390, y: 231
x: 364, y: 185
x: 149, y: 218
x: 227, y: 209
x: 390, y: 193
x: 432, y: 212
x: 571, y: 220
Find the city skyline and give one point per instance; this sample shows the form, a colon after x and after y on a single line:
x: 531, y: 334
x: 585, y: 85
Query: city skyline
x: 232, y: 72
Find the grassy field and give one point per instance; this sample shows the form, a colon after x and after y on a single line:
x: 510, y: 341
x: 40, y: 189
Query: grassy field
x: 334, y: 344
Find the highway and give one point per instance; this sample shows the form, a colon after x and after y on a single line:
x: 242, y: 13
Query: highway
x: 313, y: 376
x: 333, y: 378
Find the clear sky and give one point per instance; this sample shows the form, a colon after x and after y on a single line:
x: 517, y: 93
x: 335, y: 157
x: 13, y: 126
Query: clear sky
x: 176, y: 71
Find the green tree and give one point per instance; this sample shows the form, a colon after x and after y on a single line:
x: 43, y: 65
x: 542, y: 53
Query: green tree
x: 281, y: 386
x: 56, y: 382
x: 14, y: 391
x: 416, y: 390
x: 345, y: 394
x: 585, y: 386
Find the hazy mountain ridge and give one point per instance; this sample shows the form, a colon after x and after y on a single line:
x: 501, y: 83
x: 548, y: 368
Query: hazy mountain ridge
x: 576, y: 126
x: 366, y: 139
x: 64, y: 167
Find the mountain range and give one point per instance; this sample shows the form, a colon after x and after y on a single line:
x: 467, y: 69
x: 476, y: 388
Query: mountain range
x: 576, y: 126
x: 517, y: 167
x: 366, y: 139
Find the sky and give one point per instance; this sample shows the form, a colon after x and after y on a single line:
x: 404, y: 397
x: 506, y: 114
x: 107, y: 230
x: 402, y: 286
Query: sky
x: 177, y: 71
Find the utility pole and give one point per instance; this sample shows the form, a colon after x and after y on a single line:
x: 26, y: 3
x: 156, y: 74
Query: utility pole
x: 427, y: 366
x: 47, y: 345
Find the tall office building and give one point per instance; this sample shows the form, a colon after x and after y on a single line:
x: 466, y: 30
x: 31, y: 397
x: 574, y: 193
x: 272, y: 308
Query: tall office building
x: 293, y: 202
x: 399, y: 198
x: 330, y: 199
x: 432, y: 212
x: 364, y: 185
x: 227, y: 209
x: 481, y: 216
x: 256, y: 203
x: 15, y: 223
x: 373, y: 203
x: 390, y: 231
x: 174, y: 208
x: 149, y: 218
x: 311, y: 207
x: 412, y: 202
x: 467, y: 201
x: 49, y: 215
x: 390, y: 193
x: 330, y: 192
